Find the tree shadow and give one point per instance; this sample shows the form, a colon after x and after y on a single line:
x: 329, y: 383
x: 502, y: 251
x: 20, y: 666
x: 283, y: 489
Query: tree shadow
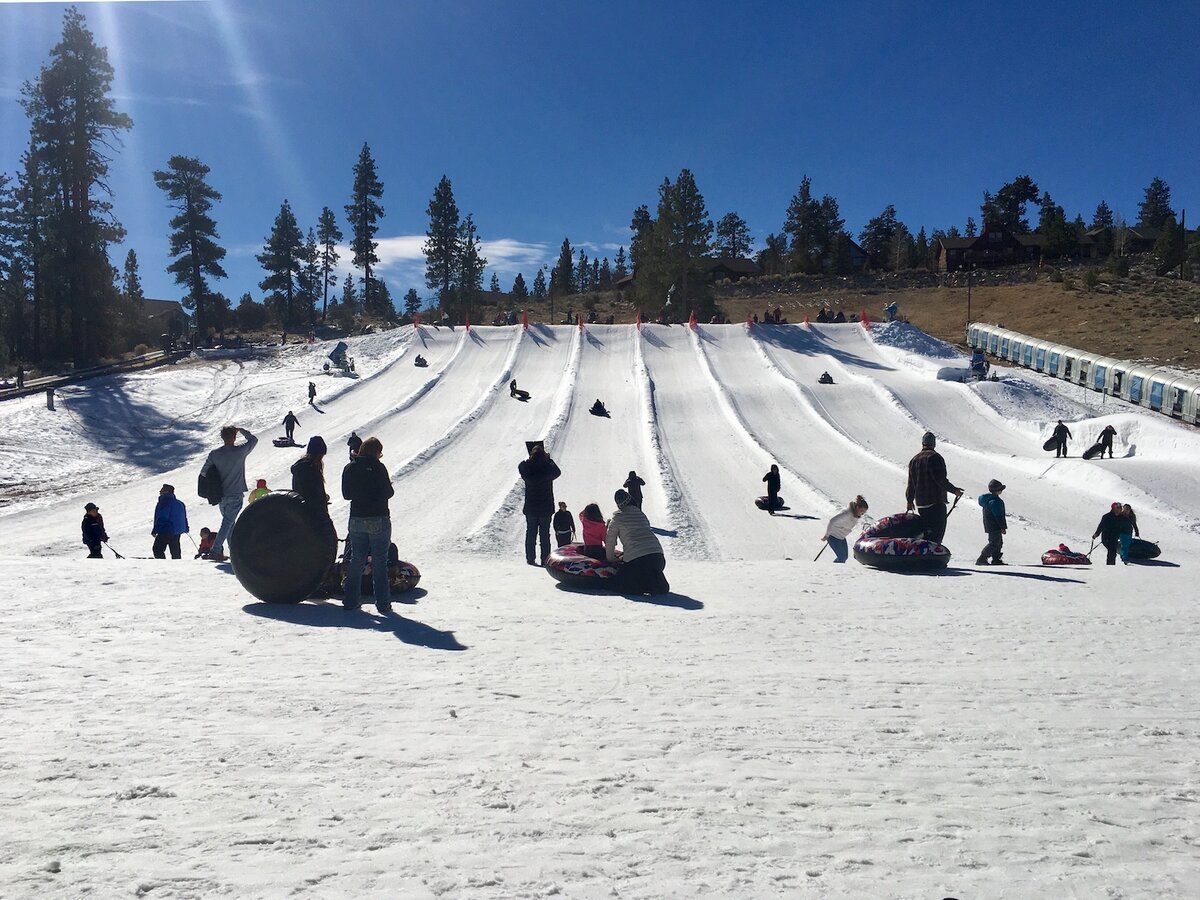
x: 477, y: 337
x: 592, y: 339
x: 331, y: 615
x: 671, y: 598
x: 810, y: 342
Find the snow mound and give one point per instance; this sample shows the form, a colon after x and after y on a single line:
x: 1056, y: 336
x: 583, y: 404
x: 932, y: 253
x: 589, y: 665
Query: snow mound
x: 910, y: 338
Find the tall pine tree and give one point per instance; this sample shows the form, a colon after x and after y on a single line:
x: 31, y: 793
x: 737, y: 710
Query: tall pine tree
x: 539, y: 284
x: 471, y: 265
x: 519, y: 289
x: 328, y: 236
x: 412, y: 303
x: 363, y: 212
x: 283, y: 260
x: 193, y: 239
x: 732, y: 237
x: 443, y: 243
x: 1155, y: 207
x: 562, y: 278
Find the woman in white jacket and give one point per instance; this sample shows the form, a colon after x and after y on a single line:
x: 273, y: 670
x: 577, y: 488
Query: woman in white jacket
x: 642, y: 561
x: 841, y: 525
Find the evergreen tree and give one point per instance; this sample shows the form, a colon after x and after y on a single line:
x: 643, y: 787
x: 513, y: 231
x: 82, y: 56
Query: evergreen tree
x: 349, y: 301
x: 328, y: 236
x: 876, y: 237
x: 443, y: 246
x: 412, y: 303
x: 494, y: 285
x: 1155, y: 207
x: 1169, y: 249
x: 772, y: 259
x: 641, y: 226
x: 688, y: 228
x: 363, y: 212
x: 562, y: 279
x: 811, y: 225
x: 519, y: 290
x: 132, y: 296
x: 619, y: 269
x: 379, y: 302
x: 594, y: 278
x: 839, y: 259
x: 1006, y: 208
x: 471, y: 264
x: 583, y: 273
x: 972, y: 229
x: 732, y: 237
x: 283, y: 259
x: 73, y: 123
x: 13, y: 283
x: 310, y: 279
x: 899, y: 252
x: 1103, y: 216
x: 194, y: 235
x: 250, y: 316
x: 921, y: 249
x: 539, y: 284
x: 1052, y: 223
x: 605, y: 276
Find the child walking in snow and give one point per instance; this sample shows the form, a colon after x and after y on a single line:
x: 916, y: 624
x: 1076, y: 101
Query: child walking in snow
x: 93, y: 530
x: 563, y: 524
x: 994, y: 523
x: 841, y: 525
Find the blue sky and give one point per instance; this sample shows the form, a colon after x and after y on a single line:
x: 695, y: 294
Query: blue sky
x: 558, y: 119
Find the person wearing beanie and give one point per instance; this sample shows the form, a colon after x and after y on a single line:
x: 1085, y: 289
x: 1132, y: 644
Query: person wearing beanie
x: 927, y: 487
x: 641, y: 558
x: 93, y: 530
x: 995, y: 525
x: 1109, y: 532
x: 354, y: 442
x: 308, y: 476
x: 170, y: 522
x: 538, y: 472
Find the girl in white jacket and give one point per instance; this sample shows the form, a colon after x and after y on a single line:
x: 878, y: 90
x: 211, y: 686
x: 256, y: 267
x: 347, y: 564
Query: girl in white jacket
x: 841, y: 525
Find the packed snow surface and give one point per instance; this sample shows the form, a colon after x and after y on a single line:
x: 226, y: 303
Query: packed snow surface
x: 776, y: 726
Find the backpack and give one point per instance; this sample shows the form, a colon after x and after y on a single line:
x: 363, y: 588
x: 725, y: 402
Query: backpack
x: 208, y: 485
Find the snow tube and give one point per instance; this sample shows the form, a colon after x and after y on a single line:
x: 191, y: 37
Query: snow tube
x: 281, y: 548
x: 402, y: 576
x: 1064, y: 556
x: 763, y: 503
x: 1093, y: 451
x: 1051, y: 444
x: 894, y: 544
x: 569, y: 565
x: 1140, y: 549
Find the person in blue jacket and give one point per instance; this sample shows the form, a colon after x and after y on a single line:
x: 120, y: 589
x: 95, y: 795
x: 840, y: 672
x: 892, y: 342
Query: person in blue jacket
x: 994, y: 523
x: 170, y: 521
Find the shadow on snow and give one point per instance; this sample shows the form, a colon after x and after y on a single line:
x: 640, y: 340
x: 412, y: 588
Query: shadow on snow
x: 331, y: 615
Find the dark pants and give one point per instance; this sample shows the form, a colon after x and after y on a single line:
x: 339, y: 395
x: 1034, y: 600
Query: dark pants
x: 643, y: 575
x: 162, y: 542
x: 1113, y: 546
x: 290, y: 429
x: 537, y: 532
x: 1060, y: 449
x: 1106, y: 446
x: 772, y: 500
x: 994, y: 549
x: 95, y: 552
x: 934, y: 518
x: 562, y: 537
x: 594, y: 551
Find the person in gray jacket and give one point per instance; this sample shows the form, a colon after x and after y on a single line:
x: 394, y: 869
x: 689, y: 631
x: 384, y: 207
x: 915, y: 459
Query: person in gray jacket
x: 642, y: 560
x: 230, y: 462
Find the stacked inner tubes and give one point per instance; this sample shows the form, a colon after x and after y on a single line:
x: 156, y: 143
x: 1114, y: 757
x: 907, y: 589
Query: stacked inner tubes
x: 573, y: 568
x: 895, y: 543
x: 281, y: 549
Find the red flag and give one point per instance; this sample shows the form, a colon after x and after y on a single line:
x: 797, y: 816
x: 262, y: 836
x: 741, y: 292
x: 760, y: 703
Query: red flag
x: 806, y: 318
x: 467, y: 320
x: 749, y: 321
x: 866, y: 322
x: 692, y: 320
x: 639, y: 320
x: 579, y: 319
x: 524, y: 320
x: 416, y: 320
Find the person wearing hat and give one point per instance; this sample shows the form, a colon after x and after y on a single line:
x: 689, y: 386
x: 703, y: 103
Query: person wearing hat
x: 170, y: 521
x: 538, y: 472
x: 927, y: 487
x: 365, y: 483
x: 260, y: 490
x: 642, y: 560
x: 994, y: 524
x: 308, y: 476
x: 354, y: 442
x: 93, y: 530
x: 1109, y: 532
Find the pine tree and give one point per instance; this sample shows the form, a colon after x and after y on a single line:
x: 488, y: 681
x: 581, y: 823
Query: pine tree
x: 619, y: 269
x: 899, y: 248
x: 605, y: 276
x: 1155, y: 207
x: 194, y: 233
x: 443, y: 246
x: 876, y: 237
x: 972, y: 229
x: 922, y: 250
x: 310, y: 278
x: 772, y: 259
x: 641, y: 226
x: 1103, y: 216
x: 519, y: 290
x: 562, y: 280
x: 583, y: 273
x: 328, y: 236
x: 594, y: 278
x: 494, y: 284
x: 283, y: 259
x: 349, y: 301
x: 73, y: 122
x: 1052, y: 223
x: 132, y: 297
x: 539, y: 284
x: 412, y: 303
x: 690, y: 228
x: 1006, y: 208
x: 812, y: 226
x: 250, y: 316
x: 363, y: 212
x: 1170, y: 248
x: 732, y: 237
x: 470, y: 265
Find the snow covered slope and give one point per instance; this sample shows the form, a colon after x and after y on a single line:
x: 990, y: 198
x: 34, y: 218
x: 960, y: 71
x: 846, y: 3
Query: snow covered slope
x: 774, y: 727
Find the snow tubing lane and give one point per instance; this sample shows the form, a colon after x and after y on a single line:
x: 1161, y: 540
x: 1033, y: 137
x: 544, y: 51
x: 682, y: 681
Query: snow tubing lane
x: 764, y: 503
x: 281, y: 549
x: 1064, y: 557
x: 894, y: 544
x: 568, y: 565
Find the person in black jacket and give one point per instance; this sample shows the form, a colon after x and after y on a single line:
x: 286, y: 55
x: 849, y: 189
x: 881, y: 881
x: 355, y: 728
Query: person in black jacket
x: 366, y: 485
x: 308, y: 476
x: 633, y: 486
x: 538, y: 472
x: 289, y: 426
x: 354, y: 442
x: 772, y: 480
x: 1106, y: 440
x: 1061, y: 433
x: 564, y: 525
x: 93, y: 530
x: 1109, y: 532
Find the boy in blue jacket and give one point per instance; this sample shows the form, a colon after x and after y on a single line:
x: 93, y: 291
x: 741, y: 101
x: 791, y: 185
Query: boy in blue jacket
x: 994, y: 524
x: 170, y: 521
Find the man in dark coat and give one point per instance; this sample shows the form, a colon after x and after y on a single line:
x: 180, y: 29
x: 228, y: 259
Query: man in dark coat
x: 170, y: 522
x: 289, y: 425
x: 927, y: 487
x: 365, y: 483
x: 1109, y: 532
x: 1061, y: 433
x: 354, y: 442
x: 538, y: 472
x: 772, y: 480
x: 1106, y: 440
x: 633, y: 486
x: 93, y: 530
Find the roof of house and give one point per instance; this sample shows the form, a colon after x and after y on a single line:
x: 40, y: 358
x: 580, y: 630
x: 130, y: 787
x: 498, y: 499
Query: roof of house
x: 733, y: 264
x: 163, y: 308
x: 956, y: 243
x: 1145, y: 232
x: 1030, y: 240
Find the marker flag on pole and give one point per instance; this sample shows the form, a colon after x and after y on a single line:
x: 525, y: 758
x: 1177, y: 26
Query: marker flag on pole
x: 467, y: 320
x: 806, y: 319
x: 692, y: 320
x: 864, y: 319
x: 416, y: 320
x: 749, y: 321
x: 524, y: 320
x: 639, y: 320
x: 579, y: 319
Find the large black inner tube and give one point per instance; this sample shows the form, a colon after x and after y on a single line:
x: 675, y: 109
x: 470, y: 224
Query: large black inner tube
x: 281, y: 548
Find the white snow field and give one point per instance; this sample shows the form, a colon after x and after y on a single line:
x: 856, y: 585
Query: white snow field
x: 776, y: 726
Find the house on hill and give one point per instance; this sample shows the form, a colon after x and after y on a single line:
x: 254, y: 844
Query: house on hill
x: 727, y: 268
x: 164, y: 317
x: 993, y: 247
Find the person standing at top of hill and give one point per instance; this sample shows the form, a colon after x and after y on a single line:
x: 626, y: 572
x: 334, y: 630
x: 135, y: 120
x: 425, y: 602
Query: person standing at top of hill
x: 312, y: 394
x: 289, y: 425
x: 538, y: 472
x: 230, y: 462
x: 772, y: 480
x: 1061, y: 434
x: 1106, y: 441
x: 927, y: 487
x: 634, y: 486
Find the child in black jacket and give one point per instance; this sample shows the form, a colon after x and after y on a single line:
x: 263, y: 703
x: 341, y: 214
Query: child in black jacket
x: 93, y: 530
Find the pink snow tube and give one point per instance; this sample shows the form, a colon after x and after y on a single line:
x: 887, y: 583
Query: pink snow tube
x: 894, y: 544
x: 1064, y: 556
x: 569, y: 565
